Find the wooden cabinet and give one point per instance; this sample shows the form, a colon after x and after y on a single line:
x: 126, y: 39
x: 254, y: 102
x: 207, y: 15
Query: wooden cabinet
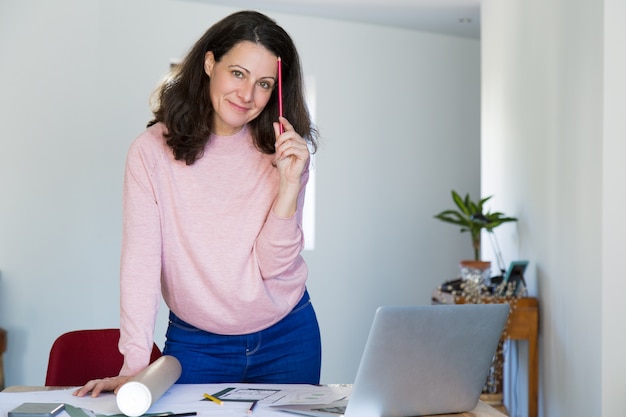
x: 524, y: 325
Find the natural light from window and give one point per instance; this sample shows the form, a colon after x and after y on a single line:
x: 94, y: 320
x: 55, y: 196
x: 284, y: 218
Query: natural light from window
x: 308, y: 219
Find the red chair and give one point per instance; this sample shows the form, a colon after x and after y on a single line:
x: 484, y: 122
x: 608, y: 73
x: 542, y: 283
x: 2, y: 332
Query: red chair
x: 79, y: 356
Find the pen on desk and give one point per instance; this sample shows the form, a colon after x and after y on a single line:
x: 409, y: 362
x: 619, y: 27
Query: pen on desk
x: 252, y: 406
x: 214, y: 399
x: 280, y: 93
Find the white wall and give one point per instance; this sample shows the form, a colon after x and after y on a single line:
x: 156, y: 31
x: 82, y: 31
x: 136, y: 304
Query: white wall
x: 553, y: 130
x: 399, y: 113
x: 613, y: 369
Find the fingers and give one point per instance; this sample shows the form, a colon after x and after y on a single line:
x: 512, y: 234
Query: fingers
x: 97, y: 386
x: 289, y: 143
x: 85, y: 389
x: 285, y: 123
x: 289, y: 131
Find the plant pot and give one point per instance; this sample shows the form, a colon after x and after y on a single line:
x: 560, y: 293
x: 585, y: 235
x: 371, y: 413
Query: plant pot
x: 477, y: 272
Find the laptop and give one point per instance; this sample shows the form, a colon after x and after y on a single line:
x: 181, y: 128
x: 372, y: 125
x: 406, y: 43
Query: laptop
x: 420, y: 360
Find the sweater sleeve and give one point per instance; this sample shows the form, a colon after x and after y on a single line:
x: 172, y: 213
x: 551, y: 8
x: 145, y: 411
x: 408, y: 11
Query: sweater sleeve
x: 281, y: 240
x: 140, y: 272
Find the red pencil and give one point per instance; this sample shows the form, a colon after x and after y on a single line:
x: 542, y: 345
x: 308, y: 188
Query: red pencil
x: 280, y: 92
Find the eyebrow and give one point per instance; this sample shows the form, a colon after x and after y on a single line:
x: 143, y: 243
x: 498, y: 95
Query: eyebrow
x: 235, y: 66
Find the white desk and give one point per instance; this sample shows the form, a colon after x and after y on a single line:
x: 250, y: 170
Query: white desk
x: 184, y: 398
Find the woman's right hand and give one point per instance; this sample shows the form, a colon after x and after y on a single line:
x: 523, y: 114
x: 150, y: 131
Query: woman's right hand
x: 96, y: 386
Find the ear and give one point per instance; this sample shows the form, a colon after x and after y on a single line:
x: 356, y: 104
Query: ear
x: 209, y: 63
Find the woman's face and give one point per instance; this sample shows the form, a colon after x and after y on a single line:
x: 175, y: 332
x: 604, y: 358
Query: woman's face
x: 241, y: 85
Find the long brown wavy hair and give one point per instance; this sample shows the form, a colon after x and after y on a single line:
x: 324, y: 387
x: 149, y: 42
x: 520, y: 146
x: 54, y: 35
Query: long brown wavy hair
x: 182, y: 101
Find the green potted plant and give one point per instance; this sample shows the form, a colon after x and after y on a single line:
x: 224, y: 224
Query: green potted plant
x: 472, y: 218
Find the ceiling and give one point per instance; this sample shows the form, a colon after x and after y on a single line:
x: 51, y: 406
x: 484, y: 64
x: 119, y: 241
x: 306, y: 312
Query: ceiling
x: 451, y: 17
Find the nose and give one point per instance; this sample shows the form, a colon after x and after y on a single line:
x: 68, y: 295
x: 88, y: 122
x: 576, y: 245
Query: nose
x: 246, y: 91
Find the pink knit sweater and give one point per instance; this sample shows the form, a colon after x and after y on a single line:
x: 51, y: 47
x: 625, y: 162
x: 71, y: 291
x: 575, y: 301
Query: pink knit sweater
x: 205, y: 238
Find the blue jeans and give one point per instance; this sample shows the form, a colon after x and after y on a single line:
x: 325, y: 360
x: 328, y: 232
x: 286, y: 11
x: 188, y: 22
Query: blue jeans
x: 288, y: 352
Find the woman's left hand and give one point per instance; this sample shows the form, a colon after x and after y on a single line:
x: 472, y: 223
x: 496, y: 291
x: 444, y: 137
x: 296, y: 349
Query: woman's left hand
x: 292, y: 156
x: 292, y: 153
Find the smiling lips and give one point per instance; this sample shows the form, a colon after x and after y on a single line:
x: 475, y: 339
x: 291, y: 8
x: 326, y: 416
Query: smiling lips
x: 237, y: 107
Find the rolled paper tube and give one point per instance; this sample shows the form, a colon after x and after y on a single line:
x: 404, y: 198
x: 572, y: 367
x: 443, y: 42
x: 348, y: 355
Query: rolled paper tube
x: 136, y: 396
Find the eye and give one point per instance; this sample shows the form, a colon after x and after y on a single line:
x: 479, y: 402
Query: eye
x: 266, y: 85
x: 237, y: 73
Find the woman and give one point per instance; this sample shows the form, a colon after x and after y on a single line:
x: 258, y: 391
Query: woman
x: 213, y: 197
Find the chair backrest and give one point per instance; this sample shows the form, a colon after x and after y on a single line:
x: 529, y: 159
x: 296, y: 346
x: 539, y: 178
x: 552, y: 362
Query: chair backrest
x: 82, y: 355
